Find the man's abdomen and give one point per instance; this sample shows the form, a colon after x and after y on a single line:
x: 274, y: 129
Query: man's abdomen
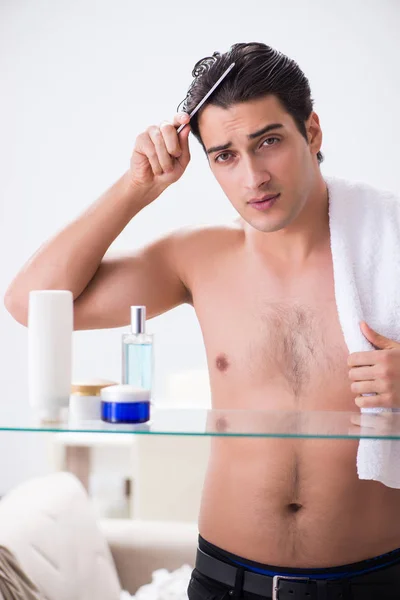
x: 295, y: 503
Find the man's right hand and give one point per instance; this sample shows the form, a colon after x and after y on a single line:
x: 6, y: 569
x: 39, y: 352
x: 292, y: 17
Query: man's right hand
x: 160, y: 156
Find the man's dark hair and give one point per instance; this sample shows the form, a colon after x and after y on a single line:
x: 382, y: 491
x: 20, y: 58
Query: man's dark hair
x: 259, y: 71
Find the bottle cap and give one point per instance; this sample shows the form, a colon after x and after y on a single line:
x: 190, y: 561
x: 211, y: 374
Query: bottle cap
x: 91, y: 387
x: 138, y: 319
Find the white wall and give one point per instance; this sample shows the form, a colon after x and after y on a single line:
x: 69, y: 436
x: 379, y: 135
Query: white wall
x: 81, y: 78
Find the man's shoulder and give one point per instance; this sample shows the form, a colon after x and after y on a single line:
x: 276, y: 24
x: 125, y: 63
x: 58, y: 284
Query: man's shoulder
x: 202, y: 247
x: 208, y: 235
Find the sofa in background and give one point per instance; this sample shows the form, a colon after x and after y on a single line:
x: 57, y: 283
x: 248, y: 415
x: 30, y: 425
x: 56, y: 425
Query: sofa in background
x: 49, y: 525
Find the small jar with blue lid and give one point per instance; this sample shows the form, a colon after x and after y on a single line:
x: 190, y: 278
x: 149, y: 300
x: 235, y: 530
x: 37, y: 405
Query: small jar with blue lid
x: 125, y: 404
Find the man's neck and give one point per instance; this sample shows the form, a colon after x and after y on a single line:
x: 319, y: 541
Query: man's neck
x: 307, y: 235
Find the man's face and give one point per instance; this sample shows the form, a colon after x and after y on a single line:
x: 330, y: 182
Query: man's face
x: 256, y: 152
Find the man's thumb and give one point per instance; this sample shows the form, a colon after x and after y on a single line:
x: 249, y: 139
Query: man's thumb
x: 379, y: 341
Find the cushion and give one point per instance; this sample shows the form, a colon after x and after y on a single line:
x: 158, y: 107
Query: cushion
x: 50, y: 526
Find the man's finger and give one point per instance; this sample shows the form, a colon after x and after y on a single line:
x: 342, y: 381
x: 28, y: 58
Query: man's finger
x: 376, y: 401
x: 364, y: 420
x: 362, y: 359
x: 368, y: 423
x: 366, y: 387
x: 362, y: 373
x: 180, y: 118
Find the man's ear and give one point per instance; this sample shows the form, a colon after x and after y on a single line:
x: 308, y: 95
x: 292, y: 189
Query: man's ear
x: 314, y: 132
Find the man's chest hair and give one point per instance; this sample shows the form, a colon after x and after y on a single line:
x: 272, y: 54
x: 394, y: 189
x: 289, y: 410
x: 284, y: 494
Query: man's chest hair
x: 293, y: 341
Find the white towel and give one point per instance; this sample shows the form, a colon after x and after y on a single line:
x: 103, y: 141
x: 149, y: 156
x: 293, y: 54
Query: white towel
x: 365, y: 243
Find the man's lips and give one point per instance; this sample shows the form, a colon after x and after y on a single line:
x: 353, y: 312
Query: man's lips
x: 265, y: 198
x: 264, y: 203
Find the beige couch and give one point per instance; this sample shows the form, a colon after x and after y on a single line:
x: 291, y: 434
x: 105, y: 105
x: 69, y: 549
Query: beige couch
x: 48, y: 523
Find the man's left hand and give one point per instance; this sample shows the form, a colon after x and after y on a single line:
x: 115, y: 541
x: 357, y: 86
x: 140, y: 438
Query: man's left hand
x: 376, y: 372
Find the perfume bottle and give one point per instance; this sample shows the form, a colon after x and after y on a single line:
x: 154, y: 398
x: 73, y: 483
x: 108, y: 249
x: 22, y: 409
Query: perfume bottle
x: 137, y: 352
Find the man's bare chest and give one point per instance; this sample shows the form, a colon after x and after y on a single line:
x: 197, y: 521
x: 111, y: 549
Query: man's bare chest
x: 265, y: 337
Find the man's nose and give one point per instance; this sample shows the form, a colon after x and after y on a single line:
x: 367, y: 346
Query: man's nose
x: 255, y: 174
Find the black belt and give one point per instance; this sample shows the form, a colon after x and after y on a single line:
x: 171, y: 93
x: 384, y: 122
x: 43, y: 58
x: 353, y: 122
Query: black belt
x: 282, y: 587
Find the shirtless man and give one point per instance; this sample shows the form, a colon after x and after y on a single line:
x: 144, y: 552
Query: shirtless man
x: 262, y: 289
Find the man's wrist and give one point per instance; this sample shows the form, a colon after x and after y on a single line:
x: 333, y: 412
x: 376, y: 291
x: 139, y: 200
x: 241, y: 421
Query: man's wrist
x: 139, y: 195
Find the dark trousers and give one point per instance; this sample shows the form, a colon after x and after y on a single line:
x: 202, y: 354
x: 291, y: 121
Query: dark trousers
x: 380, y: 581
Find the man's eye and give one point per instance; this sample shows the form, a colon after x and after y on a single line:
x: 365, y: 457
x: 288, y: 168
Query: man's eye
x: 224, y: 157
x: 226, y: 154
x: 269, y: 139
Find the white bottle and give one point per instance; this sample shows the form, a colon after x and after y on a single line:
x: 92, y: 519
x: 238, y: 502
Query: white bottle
x: 50, y: 326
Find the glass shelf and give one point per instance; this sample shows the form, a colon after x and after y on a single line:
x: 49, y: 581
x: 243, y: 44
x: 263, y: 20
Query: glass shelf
x: 234, y: 423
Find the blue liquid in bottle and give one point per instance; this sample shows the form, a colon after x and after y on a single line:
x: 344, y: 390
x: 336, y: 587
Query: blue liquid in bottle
x: 137, y: 363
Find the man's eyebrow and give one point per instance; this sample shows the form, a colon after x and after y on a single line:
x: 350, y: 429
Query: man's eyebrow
x: 251, y: 136
x: 266, y: 129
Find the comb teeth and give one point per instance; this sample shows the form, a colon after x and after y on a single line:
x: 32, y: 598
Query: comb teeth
x: 214, y: 87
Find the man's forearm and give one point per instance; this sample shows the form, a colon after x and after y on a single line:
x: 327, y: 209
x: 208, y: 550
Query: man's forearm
x: 70, y: 259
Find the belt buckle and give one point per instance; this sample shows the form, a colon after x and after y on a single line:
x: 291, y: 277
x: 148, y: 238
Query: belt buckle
x: 275, y: 583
